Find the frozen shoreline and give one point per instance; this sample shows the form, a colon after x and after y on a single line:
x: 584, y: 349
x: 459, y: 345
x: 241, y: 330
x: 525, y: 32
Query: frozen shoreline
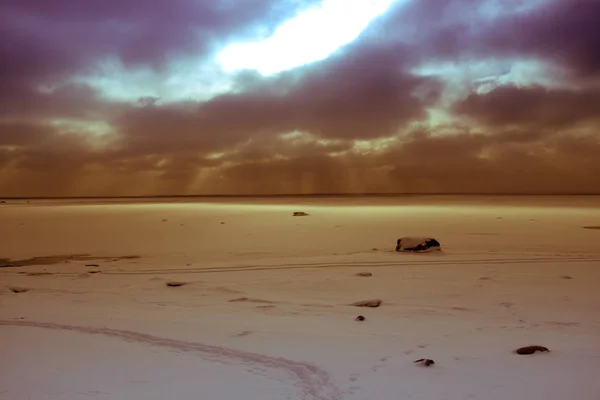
x: 269, y: 284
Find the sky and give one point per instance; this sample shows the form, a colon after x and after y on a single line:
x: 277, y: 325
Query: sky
x: 183, y: 97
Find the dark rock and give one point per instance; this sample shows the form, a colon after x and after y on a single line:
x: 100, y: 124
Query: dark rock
x: 300, y: 214
x: 16, y: 289
x: 175, y: 284
x: 8, y: 266
x: 417, y: 244
x: 425, y: 361
x: 222, y: 223
x: 367, y: 303
x: 92, y: 265
x: 360, y: 318
x: 364, y: 274
x: 531, y: 349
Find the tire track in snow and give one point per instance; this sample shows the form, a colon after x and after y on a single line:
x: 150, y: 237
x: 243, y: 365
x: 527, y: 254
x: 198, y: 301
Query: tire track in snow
x: 312, y: 382
x: 351, y: 264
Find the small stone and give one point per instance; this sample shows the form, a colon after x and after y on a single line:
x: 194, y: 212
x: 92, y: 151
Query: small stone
x: 417, y: 244
x: 364, y: 274
x: 300, y: 214
x: 175, y: 284
x: 425, y: 361
x: 360, y: 318
x: 92, y: 265
x: 566, y: 277
x: 531, y: 349
x: 368, y: 303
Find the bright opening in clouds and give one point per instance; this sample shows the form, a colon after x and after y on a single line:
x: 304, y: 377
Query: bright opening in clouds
x: 310, y: 36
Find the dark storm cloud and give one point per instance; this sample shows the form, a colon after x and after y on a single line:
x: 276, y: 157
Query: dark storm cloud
x: 562, y: 32
x: 565, y: 32
x: 356, y: 94
x: 534, y: 107
x: 424, y: 161
x: 233, y: 143
x: 45, y: 42
x: 51, y: 38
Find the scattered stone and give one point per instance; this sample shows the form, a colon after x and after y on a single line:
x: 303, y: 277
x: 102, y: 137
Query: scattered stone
x: 16, y: 289
x: 360, y: 318
x: 375, y: 249
x: 485, y: 278
x: 164, y: 220
x: 417, y: 244
x: 566, y: 277
x: 591, y: 227
x: 425, y: 361
x: 2, y: 202
x: 8, y: 266
x: 94, y: 272
x: 222, y: 223
x: 92, y: 265
x: 364, y: 274
x: 300, y: 214
x: 531, y: 349
x: 499, y: 218
x: 175, y: 284
x: 368, y: 303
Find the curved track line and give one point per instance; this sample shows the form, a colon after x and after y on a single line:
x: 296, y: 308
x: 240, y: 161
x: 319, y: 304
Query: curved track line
x: 312, y: 382
x: 370, y: 264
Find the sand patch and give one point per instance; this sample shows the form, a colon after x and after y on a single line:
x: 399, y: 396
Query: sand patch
x: 58, y: 259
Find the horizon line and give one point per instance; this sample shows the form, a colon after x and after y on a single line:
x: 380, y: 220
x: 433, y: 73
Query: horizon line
x: 366, y: 194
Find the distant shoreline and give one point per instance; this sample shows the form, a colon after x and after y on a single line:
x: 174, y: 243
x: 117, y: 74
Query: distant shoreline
x: 311, y: 195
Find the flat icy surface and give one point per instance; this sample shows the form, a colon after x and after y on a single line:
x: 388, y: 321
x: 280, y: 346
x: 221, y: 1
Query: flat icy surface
x: 265, y: 313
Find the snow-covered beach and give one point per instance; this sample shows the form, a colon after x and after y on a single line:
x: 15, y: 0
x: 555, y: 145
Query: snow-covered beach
x: 264, y: 310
